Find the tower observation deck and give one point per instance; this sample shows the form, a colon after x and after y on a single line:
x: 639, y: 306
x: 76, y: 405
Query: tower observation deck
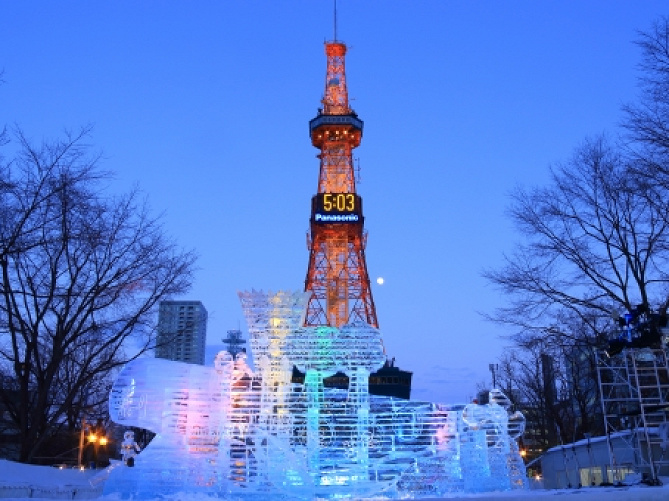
x: 337, y: 273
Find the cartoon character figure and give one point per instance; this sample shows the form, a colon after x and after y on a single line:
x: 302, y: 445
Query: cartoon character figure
x: 129, y: 448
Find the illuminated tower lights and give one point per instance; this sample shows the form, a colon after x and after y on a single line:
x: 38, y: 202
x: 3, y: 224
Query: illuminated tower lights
x: 337, y: 272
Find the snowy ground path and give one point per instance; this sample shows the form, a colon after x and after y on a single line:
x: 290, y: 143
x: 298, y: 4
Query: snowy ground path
x: 18, y: 481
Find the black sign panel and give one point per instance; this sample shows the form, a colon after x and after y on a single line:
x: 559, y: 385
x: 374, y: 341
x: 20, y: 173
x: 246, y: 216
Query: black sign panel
x: 336, y: 208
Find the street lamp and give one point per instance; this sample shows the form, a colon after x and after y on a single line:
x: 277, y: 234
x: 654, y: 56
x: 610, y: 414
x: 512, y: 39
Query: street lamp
x: 93, y: 440
x: 96, y: 441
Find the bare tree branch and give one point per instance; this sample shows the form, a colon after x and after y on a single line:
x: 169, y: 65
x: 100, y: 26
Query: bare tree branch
x: 593, y: 242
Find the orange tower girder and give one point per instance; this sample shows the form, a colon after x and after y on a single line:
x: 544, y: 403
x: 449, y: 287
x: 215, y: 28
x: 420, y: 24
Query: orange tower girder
x: 337, y: 276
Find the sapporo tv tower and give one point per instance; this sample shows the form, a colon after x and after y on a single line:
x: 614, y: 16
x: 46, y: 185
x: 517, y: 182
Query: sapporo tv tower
x: 337, y: 272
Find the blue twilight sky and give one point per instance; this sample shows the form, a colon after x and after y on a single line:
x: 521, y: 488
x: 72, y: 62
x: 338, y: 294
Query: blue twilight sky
x: 205, y: 105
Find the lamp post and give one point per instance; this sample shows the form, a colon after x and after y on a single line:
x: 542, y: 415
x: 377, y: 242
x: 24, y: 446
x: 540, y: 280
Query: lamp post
x: 494, y: 368
x: 95, y: 439
x: 81, y: 442
x: 102, y: 442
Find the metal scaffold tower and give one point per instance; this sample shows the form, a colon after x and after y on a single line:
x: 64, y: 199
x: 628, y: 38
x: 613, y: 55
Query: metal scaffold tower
x: 337, y: 272
x: 634, y: 389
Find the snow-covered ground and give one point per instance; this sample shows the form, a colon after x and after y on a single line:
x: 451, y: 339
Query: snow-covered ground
x: 19, y: 481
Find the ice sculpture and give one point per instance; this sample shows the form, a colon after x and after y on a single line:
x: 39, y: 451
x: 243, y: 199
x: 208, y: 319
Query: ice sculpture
x: 238, y: 433
x: 129, y: 448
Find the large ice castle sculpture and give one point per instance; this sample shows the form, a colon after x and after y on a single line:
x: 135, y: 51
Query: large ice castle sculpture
x: 239, y: 433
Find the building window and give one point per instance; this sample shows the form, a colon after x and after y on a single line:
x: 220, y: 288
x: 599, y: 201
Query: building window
x: 590, y: 476
x: 619, y: 473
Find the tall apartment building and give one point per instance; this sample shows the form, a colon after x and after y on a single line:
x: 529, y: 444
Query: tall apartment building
x: 182, y: 331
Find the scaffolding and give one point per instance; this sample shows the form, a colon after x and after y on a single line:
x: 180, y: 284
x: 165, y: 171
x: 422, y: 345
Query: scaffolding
x: 634, y: 389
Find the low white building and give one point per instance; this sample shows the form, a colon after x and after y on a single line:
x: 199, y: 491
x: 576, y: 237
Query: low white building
x: 595, y: 461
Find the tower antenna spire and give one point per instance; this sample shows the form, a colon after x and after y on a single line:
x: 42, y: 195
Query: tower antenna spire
x: 335, y: 20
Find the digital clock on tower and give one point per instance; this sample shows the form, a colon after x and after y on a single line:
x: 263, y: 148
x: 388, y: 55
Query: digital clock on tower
x: 336, y: 208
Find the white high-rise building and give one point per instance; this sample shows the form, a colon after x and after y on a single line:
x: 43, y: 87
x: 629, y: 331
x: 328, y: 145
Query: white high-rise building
x: 182, y: 331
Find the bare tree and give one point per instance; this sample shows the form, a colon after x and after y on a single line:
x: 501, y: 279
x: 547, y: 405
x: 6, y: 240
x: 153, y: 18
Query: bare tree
x: 647, y: 120
x: 80, y: 275
x: 554, y: 384
x: 595, y: 244
x: 522, y: 377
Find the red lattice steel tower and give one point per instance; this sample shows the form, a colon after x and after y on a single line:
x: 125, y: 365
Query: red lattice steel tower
x: 337, y: 273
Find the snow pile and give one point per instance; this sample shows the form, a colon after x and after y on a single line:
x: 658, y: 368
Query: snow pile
x: 20, y: 481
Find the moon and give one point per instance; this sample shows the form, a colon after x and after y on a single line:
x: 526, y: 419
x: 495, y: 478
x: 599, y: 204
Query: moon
x: 379, y: 280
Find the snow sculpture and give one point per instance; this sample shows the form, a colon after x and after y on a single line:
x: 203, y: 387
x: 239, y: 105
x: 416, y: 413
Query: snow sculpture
x: 233, y: 432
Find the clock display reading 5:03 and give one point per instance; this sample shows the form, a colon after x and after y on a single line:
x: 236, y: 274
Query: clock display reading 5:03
x: 339, y: 202
x: 330, y: 208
